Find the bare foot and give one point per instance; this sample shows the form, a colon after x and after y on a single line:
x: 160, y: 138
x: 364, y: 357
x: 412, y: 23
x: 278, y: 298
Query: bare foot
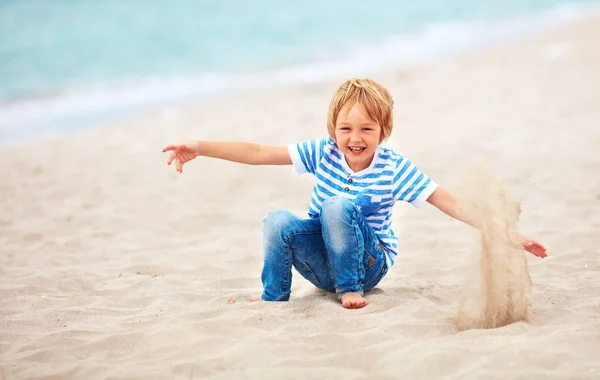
x: 353, y: 301
x: 255, y: 299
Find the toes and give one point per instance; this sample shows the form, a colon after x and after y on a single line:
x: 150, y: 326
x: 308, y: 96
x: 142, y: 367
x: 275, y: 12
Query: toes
x: 354, y: 303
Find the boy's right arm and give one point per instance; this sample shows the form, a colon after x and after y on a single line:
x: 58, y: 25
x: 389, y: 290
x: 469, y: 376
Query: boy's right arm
x: 235, y: 151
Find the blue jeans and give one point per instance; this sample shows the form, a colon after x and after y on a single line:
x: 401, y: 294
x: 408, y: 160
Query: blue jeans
x: 339, y: 252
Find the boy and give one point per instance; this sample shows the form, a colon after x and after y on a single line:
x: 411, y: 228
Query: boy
x: 347, y: 244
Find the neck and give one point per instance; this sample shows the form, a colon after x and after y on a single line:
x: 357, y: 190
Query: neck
x: 357, y: 167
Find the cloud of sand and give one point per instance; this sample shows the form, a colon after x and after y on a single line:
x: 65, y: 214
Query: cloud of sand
x: 497, y: 289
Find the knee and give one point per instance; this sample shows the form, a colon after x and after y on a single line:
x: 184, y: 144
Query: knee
x: 336, y: 208
x: 274, y: 225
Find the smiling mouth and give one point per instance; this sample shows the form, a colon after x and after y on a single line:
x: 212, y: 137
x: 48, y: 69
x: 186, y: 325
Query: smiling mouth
x: 356, y: 149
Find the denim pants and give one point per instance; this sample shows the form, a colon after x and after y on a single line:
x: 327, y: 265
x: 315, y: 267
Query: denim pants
x: 338, y: 252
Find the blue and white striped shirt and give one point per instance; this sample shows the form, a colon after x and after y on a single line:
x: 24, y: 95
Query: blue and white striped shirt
x: 391, y: 177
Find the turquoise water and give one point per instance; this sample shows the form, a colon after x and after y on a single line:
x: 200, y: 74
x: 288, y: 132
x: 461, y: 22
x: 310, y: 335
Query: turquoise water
x: 65, y: 64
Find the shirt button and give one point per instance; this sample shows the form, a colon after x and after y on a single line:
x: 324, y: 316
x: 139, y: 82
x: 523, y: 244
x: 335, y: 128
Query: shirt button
x: 346, y: 189
x: 350, y: 180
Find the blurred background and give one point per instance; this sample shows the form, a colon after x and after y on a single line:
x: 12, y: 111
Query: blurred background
x: 70, y: 64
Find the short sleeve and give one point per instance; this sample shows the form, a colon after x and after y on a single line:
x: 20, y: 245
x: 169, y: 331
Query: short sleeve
x: 411, y: 185
x: 306, y: 155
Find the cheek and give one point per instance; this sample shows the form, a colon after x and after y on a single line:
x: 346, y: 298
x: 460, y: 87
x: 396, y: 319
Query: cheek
x: 340, y: 137
x: 374, y: 140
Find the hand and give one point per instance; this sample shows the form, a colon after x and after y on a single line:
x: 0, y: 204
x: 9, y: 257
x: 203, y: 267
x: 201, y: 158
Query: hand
x: 182, y: 153
x: 533, y: 247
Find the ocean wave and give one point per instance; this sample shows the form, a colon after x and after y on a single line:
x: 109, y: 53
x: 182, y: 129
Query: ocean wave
x: 78, y: 108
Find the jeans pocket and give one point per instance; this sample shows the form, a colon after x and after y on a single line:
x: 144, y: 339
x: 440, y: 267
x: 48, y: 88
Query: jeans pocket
x: 375, y: 269
x: 368, y: 260
x: 372, y: 254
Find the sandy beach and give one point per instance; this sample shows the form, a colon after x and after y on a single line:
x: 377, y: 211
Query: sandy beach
x: 114, y: 266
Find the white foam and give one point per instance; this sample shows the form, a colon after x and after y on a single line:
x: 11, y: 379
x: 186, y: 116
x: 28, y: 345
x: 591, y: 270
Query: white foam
x: 82, y: 107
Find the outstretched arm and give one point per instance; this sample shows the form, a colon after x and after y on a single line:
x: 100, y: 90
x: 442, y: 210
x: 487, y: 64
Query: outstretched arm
x: 235, y: 151
x: 445, y: 201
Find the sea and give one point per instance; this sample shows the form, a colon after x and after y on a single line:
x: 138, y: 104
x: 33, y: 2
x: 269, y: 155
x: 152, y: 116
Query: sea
x: 66, y: 65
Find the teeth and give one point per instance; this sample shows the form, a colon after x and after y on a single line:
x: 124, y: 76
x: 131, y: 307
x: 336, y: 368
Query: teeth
x: 355, y: 149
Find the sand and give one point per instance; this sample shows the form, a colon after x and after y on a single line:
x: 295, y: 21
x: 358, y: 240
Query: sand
x: 499, y: 288
x: 112, y: 265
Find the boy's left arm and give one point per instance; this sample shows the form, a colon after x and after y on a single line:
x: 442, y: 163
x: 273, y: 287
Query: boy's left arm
x: 445, y: 201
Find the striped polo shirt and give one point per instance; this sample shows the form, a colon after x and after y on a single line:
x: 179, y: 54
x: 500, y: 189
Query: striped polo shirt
x: 391, y: 177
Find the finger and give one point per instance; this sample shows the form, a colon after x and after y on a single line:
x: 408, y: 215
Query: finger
x: 171, y: 157
x: 540, y: 248
x: 534, y: 250
x: 169, y: 147
x: 540, y: 253
x: 179, y: 166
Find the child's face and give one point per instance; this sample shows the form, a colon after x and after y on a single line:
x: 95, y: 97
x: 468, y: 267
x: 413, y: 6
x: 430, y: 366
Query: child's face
x: 357, y: 136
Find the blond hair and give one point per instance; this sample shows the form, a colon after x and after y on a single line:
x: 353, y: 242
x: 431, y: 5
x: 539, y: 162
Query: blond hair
x: 374, y: 99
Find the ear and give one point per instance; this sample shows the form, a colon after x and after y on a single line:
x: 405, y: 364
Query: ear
x: 382, y: 136
x: 332, y: 134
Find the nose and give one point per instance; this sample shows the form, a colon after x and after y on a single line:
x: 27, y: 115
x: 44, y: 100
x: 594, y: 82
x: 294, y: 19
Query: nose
x: 355, y: 137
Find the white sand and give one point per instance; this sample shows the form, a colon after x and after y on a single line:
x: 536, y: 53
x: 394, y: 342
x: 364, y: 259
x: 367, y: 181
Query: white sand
x: 498, y: 288
x: 112, y: 265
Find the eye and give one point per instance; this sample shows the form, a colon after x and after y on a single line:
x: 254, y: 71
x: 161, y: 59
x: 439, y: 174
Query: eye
x: 344, y: 128
x: 367, y: 129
